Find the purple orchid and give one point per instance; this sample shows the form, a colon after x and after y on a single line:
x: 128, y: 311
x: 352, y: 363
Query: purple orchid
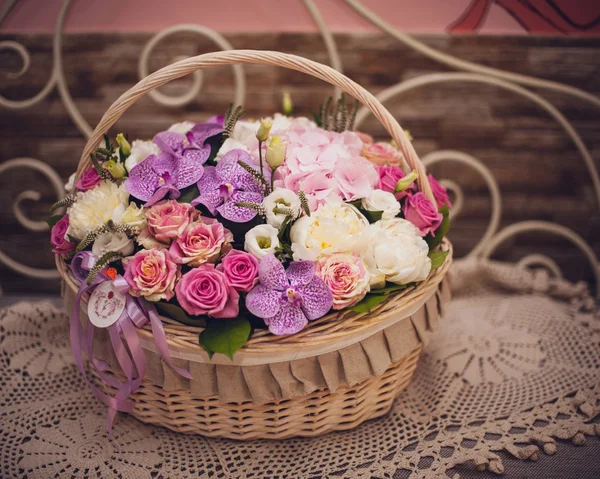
x: 226, y: 184
x: 287, y: 300
x: 177, y: 167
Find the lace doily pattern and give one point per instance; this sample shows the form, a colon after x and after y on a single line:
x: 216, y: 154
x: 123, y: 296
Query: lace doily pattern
x: 514, y: 367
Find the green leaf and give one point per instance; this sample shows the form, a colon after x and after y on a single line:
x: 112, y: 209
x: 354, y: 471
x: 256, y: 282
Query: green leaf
x: 369, y: 302
x: 372, y: 216
x: 437, y: 258
x: 225, y: 336
x: 178, y: 314
x: 188, y: 194
x: 390, y: 288
x: 442, y: 230
x: 52, y: 220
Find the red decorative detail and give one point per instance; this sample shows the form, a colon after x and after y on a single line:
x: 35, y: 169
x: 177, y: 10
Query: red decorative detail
x: 111, y: 273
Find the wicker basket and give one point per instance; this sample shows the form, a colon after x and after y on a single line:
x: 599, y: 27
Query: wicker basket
x: 339, y: 371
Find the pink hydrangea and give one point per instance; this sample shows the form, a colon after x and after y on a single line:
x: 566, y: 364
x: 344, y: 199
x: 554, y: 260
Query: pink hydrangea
x: 203, y: 241
x: 151, y: 274
x: 168, y: 219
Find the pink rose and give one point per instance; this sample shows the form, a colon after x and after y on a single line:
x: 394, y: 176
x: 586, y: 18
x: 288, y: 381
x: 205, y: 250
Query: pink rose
x: 241, y: 269
x: 168, y: 219
x: 58, y: 237
x: 439, y: 192
x: 203, y: 241
x: 388, y: 179
x: 382, y: 153
x: 206, y: 291
x: 422, y: 213
x: 356, y: 178
x: 151, y: 274
x: 346, y: 277
x: 89, y: 179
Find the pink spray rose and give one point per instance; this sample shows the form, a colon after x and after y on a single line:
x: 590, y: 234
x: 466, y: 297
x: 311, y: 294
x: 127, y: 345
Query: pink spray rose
x: 346, y: 277
x: 151, y: 274
x: 422, y: 213
x: 89, y: 179
x: 206, y: 291
x: 388, y: 179
x: 241, y: 269
x: 439, y: 192
x: 203, y: 241
x: 58, y: 237
x: 168, y: 219
x: 382, y: 153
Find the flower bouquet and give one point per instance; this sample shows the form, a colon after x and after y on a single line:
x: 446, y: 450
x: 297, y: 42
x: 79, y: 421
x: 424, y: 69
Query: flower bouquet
x: 250, y: 262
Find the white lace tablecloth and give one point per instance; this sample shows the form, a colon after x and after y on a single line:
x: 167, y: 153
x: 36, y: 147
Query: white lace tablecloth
x: 514, y: 366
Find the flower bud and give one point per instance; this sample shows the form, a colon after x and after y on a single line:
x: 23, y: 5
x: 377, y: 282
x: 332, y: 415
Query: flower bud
x: 115, y: 168
x: 405, y: 182
x: 123, y: 144
x: 286, y: 104
x: 263, y: 130
x: 276, y: 152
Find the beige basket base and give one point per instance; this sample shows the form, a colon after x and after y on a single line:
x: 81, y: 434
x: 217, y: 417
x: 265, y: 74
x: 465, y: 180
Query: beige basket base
x: 312, y: 415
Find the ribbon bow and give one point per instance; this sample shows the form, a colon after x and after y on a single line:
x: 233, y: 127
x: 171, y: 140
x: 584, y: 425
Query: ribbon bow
x: 123, y: 337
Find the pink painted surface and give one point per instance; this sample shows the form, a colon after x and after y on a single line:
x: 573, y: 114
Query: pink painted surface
x: 415, y: 16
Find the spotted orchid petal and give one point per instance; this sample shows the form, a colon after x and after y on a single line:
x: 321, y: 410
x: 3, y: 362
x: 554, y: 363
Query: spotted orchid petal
x: 238, y: 214
x: 170, y: 141
x: 316, y: 298
x: 263, y: 302
x: 271, y: 273
x: 300, y: 272
x: 203, y: 131
x: 212, y: 200
x: 289, y: 319
x: 190, y: 169
x: 210, y: 180
x: 231, y: 172
x: 143, y: 180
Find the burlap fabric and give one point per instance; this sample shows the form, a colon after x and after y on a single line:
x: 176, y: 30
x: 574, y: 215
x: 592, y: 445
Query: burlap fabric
x: 514, y: 366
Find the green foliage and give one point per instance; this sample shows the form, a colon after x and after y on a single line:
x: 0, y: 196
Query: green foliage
x: 437, y: 258
x: 225, y: 336
x: 441, y: 231
x: 52, y: 220
x: 188, y: 194
x: 369, y: 302
x: 178, y: 314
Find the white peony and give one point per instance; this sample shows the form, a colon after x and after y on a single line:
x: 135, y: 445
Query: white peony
x: 95, y: 207
x: 334, y: 227
x: 134, y: 216
x: 182, y: 127
x: 118, y: 242
x: 281, y: 198
x: 231, y: 144
x: 379, y: 200
x: 261, y: 240
x: 140, y: 150
x: 396, y: 253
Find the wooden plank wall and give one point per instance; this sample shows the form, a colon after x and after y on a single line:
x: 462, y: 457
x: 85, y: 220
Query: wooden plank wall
x: 540, y: 172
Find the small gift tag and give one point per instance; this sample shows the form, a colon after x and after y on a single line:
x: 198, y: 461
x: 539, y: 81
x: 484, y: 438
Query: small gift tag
x: 105, y: 305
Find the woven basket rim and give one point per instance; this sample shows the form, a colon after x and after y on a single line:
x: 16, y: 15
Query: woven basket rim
x: 333, y: 327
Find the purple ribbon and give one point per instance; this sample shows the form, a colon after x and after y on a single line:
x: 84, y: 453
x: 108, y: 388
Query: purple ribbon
x: 123, y: 337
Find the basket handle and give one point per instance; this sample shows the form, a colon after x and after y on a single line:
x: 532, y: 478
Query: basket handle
x: 263, y: 57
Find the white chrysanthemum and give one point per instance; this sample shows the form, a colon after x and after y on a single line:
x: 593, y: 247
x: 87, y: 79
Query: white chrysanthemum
x: 334, y: 227
x: 95, y: 207
x: 140, y: 150
x: 182, y: 127
x: 396, y: 253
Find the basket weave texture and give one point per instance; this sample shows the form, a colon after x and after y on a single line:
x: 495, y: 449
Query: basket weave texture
x: 339, y: 371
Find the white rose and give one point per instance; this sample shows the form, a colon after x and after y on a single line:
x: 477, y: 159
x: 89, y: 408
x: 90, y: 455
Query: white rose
x: 134, y: 216
x: 182, y: 127
x: 118, y: 242
x: 93, y: 208
x: 281, y: 198
x: 70, y: 185
x: 334, y: 227
x: 230, y: 144
x: 261, y: 240
x: 140, y: 150
x: 396, y: 253
x: 379, y: 200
